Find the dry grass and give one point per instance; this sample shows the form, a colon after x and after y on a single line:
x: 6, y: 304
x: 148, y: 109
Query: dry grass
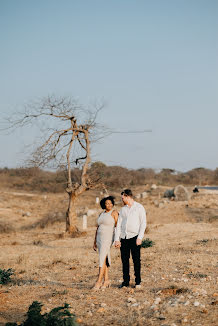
x: 52, y: 268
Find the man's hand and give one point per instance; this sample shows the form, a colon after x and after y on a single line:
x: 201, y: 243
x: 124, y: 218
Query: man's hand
x: 138, y: 242
x: 117, y: 244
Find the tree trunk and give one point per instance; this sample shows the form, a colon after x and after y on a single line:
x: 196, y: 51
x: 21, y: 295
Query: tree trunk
x: 71, y: 218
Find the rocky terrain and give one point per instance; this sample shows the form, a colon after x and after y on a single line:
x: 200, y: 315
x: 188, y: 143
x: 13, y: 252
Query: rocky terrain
x: 179, y: 272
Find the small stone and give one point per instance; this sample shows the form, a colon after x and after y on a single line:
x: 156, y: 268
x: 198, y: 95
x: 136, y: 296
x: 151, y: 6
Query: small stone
x: 100, y: 309
x: 90, y: 313
x: 196, y: 303
x: 135, y: 305
x: 132, y: 300
x: 187, y: 303
x: 204, y: 311
x: 161, y: 205
x: 103, y: 305
x: 189, y: 260
x: 157, y: 301
x: 161, y: 317
x: 79, y: 320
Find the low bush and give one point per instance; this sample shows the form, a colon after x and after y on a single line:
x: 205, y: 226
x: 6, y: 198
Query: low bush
x: 147, y: 243
x: 59, y: 316
x: 5, y: 275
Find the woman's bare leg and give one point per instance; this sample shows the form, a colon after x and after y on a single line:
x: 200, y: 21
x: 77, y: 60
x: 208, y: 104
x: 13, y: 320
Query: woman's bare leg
x: 101, y: 275
x: 106, y: 278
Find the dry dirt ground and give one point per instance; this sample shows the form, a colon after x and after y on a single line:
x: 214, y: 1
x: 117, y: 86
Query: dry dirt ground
x: 179, y: 272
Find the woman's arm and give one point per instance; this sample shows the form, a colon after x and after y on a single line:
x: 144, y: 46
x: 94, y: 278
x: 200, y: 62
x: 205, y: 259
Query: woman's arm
x: 95, y: 245
x: 115, y: 216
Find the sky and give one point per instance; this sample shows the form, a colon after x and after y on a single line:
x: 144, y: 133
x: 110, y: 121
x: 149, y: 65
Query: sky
x: 154, y: 63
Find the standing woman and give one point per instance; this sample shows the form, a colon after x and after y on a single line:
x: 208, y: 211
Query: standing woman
x: 107, y: 221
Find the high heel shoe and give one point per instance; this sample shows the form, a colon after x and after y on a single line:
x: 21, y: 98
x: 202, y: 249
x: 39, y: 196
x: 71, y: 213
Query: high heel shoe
x: 106, y: 285
x: 97, y: 287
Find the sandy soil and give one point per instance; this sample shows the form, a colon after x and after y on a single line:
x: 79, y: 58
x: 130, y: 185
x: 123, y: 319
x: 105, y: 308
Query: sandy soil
x: 179, y: 272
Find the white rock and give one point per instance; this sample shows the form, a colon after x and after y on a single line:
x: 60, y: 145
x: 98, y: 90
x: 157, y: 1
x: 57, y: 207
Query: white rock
x: 135, y: 305
x: 132, y: 300
x: 196, y: 303
x: 189, y: 260
x: 153, y: 187
x: 144, y: 194
x: 187, y: 303
x: 157, y: 301
x: 90, y: 313
x: 103, y: 304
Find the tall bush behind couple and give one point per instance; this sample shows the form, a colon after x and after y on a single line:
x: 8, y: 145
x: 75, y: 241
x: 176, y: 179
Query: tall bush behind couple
x: 127, y: 230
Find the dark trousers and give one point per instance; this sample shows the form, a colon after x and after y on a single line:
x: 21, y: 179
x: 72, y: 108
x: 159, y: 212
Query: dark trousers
x: 127, y: 246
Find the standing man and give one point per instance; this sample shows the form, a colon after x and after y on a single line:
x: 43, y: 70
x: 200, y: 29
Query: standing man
x: 129, y: 233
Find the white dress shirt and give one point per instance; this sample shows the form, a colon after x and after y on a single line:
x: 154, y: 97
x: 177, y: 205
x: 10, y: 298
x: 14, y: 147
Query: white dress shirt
x: 131, y: 222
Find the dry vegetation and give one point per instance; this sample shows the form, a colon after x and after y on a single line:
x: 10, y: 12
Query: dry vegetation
x: 178, y: 272
x: 114, y: 177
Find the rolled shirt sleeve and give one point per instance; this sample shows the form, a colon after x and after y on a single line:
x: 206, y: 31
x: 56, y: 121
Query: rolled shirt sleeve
x: 118, y: 229
x: 143, y: 222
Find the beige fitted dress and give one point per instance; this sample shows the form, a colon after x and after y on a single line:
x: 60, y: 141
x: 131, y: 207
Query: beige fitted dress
x: 105, y: 235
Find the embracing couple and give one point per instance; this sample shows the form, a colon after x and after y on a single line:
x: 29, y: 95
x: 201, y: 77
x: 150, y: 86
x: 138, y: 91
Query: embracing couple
x: 126, y: 229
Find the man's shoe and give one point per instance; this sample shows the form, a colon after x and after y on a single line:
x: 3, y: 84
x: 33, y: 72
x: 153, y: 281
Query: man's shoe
x: 123, y: 285
x: 138, y: 286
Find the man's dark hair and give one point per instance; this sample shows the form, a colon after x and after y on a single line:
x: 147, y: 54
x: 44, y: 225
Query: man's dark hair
x: 127, y: 192
x: 102, y: 202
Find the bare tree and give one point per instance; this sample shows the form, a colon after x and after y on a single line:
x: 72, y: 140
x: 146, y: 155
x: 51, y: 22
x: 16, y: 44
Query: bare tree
x: 66, y: 133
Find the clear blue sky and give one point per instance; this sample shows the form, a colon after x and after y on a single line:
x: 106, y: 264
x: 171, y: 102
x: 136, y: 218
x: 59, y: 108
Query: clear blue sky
x: 154, y: 62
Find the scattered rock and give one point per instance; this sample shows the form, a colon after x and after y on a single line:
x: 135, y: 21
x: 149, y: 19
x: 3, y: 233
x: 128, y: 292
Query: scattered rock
x: 181, y: 193
x: 157, y: 300
x: 131, y: 300
x: 89, y: 313
x: 196, y: 303
x: 135, y: 305
x: 144, y: 194
x: 79, y: 320
x: 100, y: 309
x: 161, y: 205
x: 28, y: 214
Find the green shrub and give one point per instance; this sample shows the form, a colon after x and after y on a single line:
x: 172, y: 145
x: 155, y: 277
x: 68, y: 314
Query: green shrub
x: 147, y: 243
x: 5, y: 275
x: 59, y: 316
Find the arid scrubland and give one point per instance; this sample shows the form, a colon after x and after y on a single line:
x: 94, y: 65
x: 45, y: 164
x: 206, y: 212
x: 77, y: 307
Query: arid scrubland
x: 179, y: 272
